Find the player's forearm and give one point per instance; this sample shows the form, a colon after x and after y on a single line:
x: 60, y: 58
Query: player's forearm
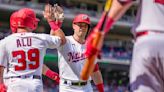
x: 118, y: 9
x: 44, y: 69
x: 1, y: 80
x: 3, y: 88
x: 98, y: 81
x: 59, y: 33
x: 97, y: 77
x: 55, y: 19
x: 56, y: 30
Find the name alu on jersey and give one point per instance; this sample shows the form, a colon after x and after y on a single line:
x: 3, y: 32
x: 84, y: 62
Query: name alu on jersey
x: 23, y: 42
x: 75, y: 56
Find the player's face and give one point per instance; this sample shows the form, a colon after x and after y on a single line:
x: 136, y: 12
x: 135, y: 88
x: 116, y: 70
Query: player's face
x: 80, y: 29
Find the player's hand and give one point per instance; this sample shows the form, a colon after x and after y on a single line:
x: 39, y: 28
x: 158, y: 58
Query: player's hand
x: 52, y: 13
x: 58, y: 13
x: 57, y: 79
x: 3, y: 88
x: 90, y: 49
x: 53, y: 75
x: 48, y: 13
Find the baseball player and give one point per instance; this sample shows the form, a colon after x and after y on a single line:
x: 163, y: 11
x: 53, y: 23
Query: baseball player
x: 71, y: 56
x: 71, y: 59
x: 147, y: 68
x: 24, y: 59
x: 46, y: 71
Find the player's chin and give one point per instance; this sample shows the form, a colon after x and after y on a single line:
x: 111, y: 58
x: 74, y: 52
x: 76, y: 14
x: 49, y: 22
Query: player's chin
x: 82, y: 33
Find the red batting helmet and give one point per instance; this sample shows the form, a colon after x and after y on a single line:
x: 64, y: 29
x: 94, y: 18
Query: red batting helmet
x: 82, y: 18
x: 13, y: 24
x: 26, y: 17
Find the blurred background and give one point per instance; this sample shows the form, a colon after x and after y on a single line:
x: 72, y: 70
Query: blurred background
x: 117, y: 48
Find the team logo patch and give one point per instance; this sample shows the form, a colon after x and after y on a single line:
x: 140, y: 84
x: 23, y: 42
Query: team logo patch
x: 84, y: 17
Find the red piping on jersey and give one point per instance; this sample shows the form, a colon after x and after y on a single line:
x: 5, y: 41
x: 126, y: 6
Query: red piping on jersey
x: 141, y: 33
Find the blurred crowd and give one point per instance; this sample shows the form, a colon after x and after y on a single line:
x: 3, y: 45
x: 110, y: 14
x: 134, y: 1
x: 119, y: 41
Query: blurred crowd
x: 117, y: 52
x: 73, y: 8
x: 68, y: 6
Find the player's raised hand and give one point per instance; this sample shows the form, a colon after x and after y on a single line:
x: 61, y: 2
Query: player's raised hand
x: 58, y: 13
x: 48, y: 13
x: 55, y: 12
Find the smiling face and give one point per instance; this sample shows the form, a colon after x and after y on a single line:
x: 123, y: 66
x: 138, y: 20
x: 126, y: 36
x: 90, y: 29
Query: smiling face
x: 80, y: 29
x: 81, y: 24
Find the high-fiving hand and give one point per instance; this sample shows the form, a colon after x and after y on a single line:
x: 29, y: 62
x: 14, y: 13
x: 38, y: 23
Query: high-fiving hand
x: 53, y: 13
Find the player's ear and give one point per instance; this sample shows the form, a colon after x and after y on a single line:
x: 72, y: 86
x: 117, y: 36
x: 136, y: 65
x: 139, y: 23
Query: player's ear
x: 74, y: 26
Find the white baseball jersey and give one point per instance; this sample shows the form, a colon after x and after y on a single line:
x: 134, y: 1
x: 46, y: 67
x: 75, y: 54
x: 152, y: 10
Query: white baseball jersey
x: 146, y: 70
x: 150, y: 16
x: 23, y: 53
x: 71, y: 59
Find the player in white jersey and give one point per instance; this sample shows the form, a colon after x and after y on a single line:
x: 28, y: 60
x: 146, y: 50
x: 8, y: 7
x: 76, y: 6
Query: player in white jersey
x: 72, y: 58
x: 46, y: 71
x: 147, y: 68
x: 24, y: 59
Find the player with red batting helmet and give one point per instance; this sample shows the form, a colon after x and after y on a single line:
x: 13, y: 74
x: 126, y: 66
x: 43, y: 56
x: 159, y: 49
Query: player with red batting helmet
x: 23, y: 60
x: 46, y: 71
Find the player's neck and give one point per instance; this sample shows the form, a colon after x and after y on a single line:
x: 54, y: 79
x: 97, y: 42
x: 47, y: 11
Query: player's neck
x: 79, y: 39
x: 22, y: 30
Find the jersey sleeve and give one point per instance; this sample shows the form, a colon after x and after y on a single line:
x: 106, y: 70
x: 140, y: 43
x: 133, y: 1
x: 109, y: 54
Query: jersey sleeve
x: 53, y: 41
x: 3, y: 54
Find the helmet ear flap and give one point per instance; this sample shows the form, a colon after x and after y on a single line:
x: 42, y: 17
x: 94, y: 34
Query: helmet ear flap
x: 88, y: 31
x: 89, y: 27
x: 13, y: 22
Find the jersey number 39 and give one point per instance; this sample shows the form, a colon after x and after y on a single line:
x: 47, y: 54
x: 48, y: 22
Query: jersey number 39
x: 32, y: 56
